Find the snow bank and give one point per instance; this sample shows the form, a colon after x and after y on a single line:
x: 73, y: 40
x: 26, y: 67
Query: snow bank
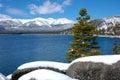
x: 9, y: 76
x: 107, y: 59
x: 2, y: 77
x: 56, y: 65
x: 43, y: 74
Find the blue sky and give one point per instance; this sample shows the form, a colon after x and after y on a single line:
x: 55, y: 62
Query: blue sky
x: 28, y: 9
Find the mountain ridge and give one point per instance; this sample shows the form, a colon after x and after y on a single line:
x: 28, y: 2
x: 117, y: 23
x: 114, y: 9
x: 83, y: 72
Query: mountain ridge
x: 108, y: 25
x: 35, y: 25
x: 105, y: 26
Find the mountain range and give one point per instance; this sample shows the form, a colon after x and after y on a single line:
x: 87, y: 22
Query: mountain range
x: 51, y: 25
x: 34, y: 25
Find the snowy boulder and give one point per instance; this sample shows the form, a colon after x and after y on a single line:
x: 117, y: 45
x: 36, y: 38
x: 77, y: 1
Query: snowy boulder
x: 28, y: 67
x: 87, y: 70
x: 102, y: 67
x: 20, y: 72
x: 43, y: 74
x: 113, y: 73
x: 2, y: 77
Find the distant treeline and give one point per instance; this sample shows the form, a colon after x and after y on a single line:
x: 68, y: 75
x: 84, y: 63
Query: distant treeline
x: 66, y: 31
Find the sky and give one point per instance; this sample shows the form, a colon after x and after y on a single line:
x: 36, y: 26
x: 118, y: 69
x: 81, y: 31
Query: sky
x: 29, y: 9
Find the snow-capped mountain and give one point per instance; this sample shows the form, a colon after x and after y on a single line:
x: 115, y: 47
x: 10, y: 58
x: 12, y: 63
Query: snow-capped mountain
x: 37, y: 24
x: 108, y: 25
x: 54, y: 25
x: 106, y: 22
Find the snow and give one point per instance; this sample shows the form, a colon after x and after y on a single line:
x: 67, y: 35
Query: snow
x: 3, y: 16
x: 110, y: 36
x: 39, y: 24
x: 106, y: 59
x: 62, y: 21
x: 9, y: 76
x: 108, y: 22
x: 43, y: 20
x: 23, y: 21
x: 2, y: 77
x: 113, y: 19
x: 57, y: 65
x: 43, y: 74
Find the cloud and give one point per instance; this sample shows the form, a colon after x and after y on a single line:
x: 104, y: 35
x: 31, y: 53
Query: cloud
x: 66, y: 2
x: 15, y: 11
x: 3, y: 16
x: 1, y: 5
x: 48, y: 7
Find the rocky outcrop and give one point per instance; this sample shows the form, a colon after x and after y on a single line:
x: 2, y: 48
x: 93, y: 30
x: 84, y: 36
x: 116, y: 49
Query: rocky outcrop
x: 113, y: 73
x: 87, y: 71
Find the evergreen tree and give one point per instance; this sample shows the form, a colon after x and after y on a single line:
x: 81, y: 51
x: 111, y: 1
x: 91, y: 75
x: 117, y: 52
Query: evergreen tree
x: 84, y: 43
x: 116, y: 47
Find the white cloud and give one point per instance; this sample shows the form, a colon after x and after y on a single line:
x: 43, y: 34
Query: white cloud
x: 1, y: 5
x: 3, y: 16
x: 48, y: 7
x: 66, y: 2
x: 15, y: 11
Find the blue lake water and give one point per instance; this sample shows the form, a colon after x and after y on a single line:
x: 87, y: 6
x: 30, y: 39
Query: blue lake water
x: 18, y: 49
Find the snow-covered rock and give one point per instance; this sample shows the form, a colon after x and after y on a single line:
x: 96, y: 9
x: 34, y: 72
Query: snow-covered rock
x: 88, y: 71
x: 81, y: 68
x: 56, y: 65
x: 101, y: 67
x: 44, y: 74
x: 106, y: 59
x: 2, y: 77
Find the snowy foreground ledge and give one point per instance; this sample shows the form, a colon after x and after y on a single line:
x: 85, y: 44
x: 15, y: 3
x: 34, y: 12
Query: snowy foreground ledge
x: 47, y: 74
x: 106, y: 59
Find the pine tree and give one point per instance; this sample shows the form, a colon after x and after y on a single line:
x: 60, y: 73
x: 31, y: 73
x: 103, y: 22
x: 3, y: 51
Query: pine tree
x: 84, y: 43
x: 116, y: 47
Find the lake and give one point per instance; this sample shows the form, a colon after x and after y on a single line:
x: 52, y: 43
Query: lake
x: 18, y: 49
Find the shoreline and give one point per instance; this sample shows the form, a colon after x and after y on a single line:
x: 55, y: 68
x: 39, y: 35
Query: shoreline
x: 110, y: 36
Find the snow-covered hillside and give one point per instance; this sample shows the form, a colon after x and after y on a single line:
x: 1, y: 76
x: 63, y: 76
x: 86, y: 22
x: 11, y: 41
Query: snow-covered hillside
x: 108, y: 26
x: 106, y: 22
x: 37, y: 24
